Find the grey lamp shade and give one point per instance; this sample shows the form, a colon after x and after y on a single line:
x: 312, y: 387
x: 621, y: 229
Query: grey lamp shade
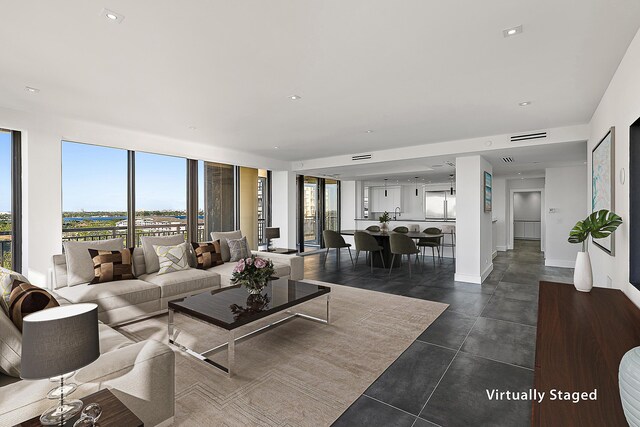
x: 272, y: 232
x: 59, y: 340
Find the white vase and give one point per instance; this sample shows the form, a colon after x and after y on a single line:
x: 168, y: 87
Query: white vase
x: 582, y: 276
x: 629, y: 380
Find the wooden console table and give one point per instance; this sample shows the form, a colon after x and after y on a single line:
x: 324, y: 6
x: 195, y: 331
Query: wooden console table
x: 581, y: 339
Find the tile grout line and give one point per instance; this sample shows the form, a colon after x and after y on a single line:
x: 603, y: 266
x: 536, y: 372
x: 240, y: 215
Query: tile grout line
x: 497, y: 361
x: 388, y: 404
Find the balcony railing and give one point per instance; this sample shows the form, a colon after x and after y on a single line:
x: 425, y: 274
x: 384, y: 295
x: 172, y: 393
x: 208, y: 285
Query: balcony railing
x: 103, y: 233
x: 5, y: 249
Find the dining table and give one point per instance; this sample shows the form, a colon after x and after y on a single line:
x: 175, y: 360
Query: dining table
x: 382, y: 237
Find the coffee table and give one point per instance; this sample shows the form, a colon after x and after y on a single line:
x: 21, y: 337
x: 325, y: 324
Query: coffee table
x: 231, y: 307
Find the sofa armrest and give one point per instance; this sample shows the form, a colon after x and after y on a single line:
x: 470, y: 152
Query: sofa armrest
x: 296, y: 262
x: 141, y: 375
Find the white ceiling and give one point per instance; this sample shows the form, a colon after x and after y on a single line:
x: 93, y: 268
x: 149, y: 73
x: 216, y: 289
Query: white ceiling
x: 528, y: 162
x: 414, y: 71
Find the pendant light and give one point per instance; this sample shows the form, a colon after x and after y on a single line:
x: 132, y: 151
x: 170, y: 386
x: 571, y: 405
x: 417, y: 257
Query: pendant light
x: 451, y: 178
x: 416, y: 186
x: 385, y: 187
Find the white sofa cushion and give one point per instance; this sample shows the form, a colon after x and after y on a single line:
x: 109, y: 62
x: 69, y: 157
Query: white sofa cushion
x: 224, y: 245
x: 151, y: 262
x: 181, y: 282
x: 79, y: 264
x: 10, y: 346
x: 111, y: 295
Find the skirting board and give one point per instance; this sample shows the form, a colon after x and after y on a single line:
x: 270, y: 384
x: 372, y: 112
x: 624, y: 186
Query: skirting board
x: 501, y: 248
x: 559, y: 263
x: 469, y: 278
x: 494, y: 255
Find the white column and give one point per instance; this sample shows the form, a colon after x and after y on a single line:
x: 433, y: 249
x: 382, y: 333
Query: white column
x: 473, y: 224
x: 283, y: 207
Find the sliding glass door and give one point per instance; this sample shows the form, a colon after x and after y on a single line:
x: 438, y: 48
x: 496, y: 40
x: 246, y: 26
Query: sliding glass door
x: 10, y: 200
x: 318, y: 210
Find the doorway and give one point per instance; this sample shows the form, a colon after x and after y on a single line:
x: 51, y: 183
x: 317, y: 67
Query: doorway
x: 318, y: 210
x: 527, y: 219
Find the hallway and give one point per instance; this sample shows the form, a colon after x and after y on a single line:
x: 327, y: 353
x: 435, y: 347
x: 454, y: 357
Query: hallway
x: 485, y: 340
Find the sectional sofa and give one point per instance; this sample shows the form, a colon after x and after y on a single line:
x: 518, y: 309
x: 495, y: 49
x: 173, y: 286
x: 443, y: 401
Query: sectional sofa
x: 141, y: 374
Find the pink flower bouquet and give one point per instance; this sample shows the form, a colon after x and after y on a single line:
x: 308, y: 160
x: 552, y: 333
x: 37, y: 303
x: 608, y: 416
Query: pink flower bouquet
x: 252, y: 273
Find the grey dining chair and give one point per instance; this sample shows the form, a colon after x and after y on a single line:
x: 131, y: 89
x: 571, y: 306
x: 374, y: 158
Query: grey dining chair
x: 402, y: 245
x: 431, y: 242
x: 401, y: 229
x: 374, y: 228
x: 365, y: 242
x: 333, y: 240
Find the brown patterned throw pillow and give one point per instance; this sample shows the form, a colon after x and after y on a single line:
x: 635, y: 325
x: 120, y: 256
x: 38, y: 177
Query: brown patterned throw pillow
x: 26, y: 299
x: 110, y: 266
x: 208, y: 254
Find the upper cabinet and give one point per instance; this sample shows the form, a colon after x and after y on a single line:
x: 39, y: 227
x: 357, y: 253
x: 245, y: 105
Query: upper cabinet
x: 381, y: 203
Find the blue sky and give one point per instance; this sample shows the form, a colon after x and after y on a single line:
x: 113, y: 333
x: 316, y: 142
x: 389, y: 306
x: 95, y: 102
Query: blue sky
x: 5, y: 171
x: 95, y: 179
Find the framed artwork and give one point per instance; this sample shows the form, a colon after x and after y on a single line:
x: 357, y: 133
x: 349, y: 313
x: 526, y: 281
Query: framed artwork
x: 488, y: 197
x: 602, y: 183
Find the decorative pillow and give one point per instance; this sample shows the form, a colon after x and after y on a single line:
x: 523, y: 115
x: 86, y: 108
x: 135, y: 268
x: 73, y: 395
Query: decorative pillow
x: 110, y: 266
x: 239, y: 249
x: 223, y: 236
x: 207, y: 254
x: 26, y: 299
x: 172, y: 258
x: 151, y: 261
x: 7, y: 280
x: 10, y: 346
x: 79, y: 263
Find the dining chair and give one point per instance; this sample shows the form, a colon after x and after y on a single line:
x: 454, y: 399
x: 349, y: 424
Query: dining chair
x: 449, y: 230
x: 374, y: 228
x: 431, y: 242
x: 367, y: 243
x: 401, y: 229
x: 402, y: 245
x: 333, y: 240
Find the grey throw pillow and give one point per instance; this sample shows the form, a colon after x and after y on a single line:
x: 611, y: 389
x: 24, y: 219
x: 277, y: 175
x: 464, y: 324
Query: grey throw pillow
x: 223, y: 236
x: 239, y: 249
x: 79, y: 262
x: 10, y: 346
x: 152, y: 265
x: 172, y: 258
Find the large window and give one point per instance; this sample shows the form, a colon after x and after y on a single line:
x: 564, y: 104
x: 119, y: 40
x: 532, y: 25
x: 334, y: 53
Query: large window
x: 94, y: 192
x: 109, y: 192
x: 160, y: 195
x: 10, y: 204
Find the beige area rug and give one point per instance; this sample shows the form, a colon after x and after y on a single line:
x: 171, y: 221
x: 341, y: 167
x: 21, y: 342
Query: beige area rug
x: 299, y: 373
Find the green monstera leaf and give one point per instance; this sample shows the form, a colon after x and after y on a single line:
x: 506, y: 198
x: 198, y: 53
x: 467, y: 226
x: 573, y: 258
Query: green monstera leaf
x: 599, y: 224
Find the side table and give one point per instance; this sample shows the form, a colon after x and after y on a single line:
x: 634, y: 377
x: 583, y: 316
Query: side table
x: 114, y: 412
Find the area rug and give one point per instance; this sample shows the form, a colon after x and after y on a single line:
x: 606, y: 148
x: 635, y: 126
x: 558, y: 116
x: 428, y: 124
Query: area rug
x: 300, y: 373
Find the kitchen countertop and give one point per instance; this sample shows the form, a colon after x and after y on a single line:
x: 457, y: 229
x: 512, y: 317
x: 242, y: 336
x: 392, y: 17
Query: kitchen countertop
x: 407, y: 220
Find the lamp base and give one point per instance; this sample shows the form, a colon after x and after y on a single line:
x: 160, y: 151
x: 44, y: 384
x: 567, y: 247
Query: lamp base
x: 58, y: 415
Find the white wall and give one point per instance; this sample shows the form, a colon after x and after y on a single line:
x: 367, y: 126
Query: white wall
x: 348, y: 208
x: 527, y: 206
x: 42, y: 201
x: 619, y: 107
x: 283, y: 208
x: 473, y: 226
x: 565, y: 199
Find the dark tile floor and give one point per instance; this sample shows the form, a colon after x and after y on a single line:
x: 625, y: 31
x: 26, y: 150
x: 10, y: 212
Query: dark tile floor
x: 485, y: 340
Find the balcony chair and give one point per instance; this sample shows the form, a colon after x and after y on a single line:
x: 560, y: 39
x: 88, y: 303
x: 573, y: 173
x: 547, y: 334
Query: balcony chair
x: 402, y: 245
x: 333, y: 240
x: 431, y: 242
x: 367, y: 243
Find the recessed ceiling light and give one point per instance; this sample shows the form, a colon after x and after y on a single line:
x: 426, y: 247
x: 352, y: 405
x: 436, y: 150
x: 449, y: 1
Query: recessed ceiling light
x: 276, y: 147
x: 295, y: 97
x: 193, y: 127
x: 524, y: 103
x: 369, y: 131
x: 519, y: 173
x: 112, y: 16
x: 31, y: 89
x: 512, y: 31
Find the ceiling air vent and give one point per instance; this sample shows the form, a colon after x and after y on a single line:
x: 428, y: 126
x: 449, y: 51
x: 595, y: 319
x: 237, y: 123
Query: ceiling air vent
x: 361, y: 157
x: 507, y: 159
x: 528, y: 136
